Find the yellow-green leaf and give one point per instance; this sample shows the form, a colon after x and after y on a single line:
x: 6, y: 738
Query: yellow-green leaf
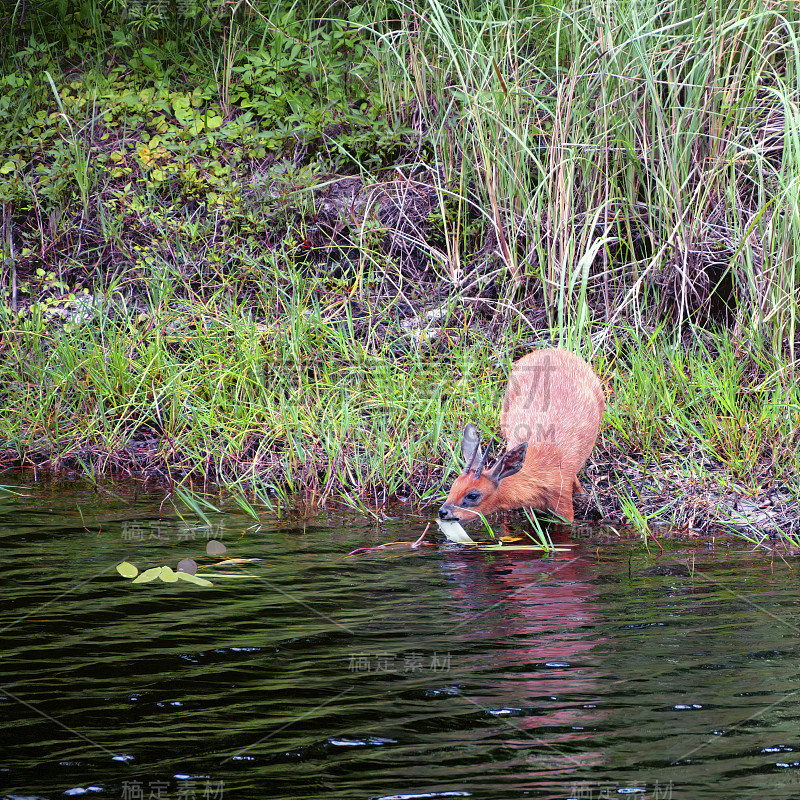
x: 185, y: 576
x: 127, y: 570
x: 148, y: 575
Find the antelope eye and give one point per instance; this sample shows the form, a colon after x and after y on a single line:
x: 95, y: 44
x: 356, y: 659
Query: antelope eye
x: 473, y: 496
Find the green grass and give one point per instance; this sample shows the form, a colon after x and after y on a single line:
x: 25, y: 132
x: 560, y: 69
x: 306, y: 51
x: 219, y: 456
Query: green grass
x: 295, y: 405
x: 720, y: 403
x: 303, y: 406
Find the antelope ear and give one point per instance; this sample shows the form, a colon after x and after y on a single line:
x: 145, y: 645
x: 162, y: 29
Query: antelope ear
x: 471, y: 447
x: 509, y: 463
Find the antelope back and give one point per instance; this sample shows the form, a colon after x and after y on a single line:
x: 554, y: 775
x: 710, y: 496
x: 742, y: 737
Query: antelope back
x: 554, y: 402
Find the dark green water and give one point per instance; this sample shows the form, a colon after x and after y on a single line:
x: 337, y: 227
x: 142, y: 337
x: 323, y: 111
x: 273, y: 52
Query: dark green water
x: 446, y: 672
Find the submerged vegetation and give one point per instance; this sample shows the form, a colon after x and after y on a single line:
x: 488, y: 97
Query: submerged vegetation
x: 293, y: 247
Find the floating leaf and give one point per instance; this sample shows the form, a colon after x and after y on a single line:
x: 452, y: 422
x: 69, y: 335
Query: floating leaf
x: 187, y: 565
x: 229, y: 576
x: 168, y: 575
x: 531, y: 547
x: 148, y: 575
x: 184, y: 576
x: 127, y: 570
x: 215, y: 548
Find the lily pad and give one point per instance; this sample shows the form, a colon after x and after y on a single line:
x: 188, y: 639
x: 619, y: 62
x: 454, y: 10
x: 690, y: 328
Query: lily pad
x: 196, y: 579
x: 187, y: 565
x: 127, y: 570
x: 148, y: 575
x: 215, y: 548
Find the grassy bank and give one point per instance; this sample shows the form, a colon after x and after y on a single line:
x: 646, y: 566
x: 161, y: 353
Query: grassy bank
x: 328, y: 400
x: 295, y: 249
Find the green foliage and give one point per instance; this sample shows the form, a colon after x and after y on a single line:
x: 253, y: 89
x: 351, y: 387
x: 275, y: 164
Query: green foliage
x: 167, y: 131
x: 165, y: 574
x: 720, y: 403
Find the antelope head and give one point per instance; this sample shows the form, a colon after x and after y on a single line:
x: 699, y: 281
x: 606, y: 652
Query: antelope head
x: 475, y: 491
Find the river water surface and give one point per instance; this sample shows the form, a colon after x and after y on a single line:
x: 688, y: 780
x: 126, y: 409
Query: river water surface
x: 604, y: 671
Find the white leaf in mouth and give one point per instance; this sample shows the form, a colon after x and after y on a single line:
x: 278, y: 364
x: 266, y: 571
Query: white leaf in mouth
x: 453, y: 531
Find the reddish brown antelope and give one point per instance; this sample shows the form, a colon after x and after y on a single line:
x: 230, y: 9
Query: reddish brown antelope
x: 550, y: 418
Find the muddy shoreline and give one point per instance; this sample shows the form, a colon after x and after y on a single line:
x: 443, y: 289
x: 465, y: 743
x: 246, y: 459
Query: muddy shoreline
x: 696, y: 507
